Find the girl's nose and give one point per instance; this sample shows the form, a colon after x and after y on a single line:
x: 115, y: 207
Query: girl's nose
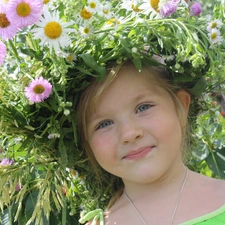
x: 130, y: 132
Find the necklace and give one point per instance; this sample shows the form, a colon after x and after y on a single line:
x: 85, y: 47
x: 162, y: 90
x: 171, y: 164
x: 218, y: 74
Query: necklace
x: 175, y: 208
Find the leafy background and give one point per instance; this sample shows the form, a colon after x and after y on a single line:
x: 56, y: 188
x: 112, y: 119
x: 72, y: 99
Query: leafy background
x: 52, y: 194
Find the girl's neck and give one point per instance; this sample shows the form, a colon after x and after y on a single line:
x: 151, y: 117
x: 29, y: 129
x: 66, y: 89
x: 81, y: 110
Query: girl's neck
x: 165, y: 185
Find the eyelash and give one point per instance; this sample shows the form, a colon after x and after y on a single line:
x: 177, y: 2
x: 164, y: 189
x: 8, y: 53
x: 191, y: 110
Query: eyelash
x: 141, y: 105
x: 101, y: 125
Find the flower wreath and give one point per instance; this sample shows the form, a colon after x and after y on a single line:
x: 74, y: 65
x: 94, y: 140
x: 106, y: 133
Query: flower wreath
x: 48, y: 52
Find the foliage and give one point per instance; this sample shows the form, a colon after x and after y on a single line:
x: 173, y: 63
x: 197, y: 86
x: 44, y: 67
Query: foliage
x: 51, y: 181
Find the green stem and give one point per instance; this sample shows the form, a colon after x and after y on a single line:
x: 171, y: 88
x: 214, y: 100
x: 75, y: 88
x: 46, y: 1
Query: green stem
x: 64, y: 215
x: 14, y: 50
x: 10, y: 216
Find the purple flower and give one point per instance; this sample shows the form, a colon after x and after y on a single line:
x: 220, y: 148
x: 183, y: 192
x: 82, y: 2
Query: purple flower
x: 38, y: 90
x: 8, y: 29
x: 6, y: 162
x: 24, y: 12
x: 169, y: 8
x: 195, y: 8
x: 2, y: 52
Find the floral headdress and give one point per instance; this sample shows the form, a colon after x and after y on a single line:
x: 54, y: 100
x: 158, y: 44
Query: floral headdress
x: 48, y: 52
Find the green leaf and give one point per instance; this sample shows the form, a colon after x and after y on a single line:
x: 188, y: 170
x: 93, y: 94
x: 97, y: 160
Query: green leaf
x: 90, y: 61
x: 30, y: 205
x: 137, y: 63
x: 199, y: 87
x: 5, y: 218
x: 216, y: 162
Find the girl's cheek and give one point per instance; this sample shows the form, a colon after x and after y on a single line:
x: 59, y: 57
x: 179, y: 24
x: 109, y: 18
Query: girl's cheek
x: 99, y: 142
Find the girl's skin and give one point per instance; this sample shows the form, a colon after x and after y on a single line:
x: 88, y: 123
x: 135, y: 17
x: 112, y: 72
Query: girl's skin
x: 135, y: 133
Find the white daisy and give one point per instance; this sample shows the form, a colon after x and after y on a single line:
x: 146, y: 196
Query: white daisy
x: 52, y: 31
x: 214, y: 24
x: 115, y: 22
x: 105, y: 10
x: 131, y: 5
x: 150, y: 6
x: 94, y: 5
x: 85, y: 16
x: 215, y: 36
x: 86, y: 31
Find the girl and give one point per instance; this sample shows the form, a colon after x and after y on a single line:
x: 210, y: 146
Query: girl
x: 134, y: 125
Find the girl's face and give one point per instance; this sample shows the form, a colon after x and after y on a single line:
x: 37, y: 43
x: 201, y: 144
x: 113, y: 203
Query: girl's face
x: 134, y: 131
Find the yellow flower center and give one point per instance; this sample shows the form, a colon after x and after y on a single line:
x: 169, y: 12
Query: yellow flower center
x: 23, y: 9
x: 46, y: 1
x: 73, y: 172
x: 214, y: 25
x: 70, y: 58
x: 38, y: 89
x: 105, y: 11
x: 5, y: 1
x: 213, y: 36
x: 92, y: 5
x: 113, y: 21
x: 135, y: 8
x: 86, y: 30
x: 4, y: 21
x: 85, y: 14
x: 155, y: 4
x: 53, y: 30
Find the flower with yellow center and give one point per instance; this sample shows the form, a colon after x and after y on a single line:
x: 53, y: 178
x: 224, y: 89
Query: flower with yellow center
x: 46, y: 1
x: 52, y: 31
x: 215, y: 36
x: 24, y: 12
x: 85, y: 31
x: 151, y: 6
x: 115, y: 22
x: 38, y: 90
x: 131, y: 5
x: 94, y: 5
x: 214, y: 24
x: 159, y: 8
x: 105, y: 10
x: 155, y: 4
x: 7, y: 28
x: 85, y: 14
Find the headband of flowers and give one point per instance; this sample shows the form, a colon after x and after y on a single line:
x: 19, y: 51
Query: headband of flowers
x: 91, y: 33
x: 48, y: 51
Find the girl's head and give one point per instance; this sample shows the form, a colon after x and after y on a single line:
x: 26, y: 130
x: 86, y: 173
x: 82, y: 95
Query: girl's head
x: 103, y: 106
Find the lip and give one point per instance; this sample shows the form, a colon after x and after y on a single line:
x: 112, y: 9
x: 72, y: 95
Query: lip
x: 138, y: 154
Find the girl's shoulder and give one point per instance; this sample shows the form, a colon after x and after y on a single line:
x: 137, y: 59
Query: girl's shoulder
x: 207, y: 183
x: 206, y: 189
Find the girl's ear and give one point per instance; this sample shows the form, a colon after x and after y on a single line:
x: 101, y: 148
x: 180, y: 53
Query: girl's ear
x: 185, y: 99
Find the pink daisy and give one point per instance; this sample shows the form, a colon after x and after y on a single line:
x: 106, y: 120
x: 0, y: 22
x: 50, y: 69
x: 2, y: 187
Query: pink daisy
x: 38, y: 90
x: 2, y: 52
x: 169, y: 8
x: 24, y: 12
x: 7, y: 28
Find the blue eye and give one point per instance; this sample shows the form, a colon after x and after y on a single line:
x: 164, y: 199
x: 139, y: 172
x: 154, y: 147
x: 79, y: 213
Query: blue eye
x: 143, y: 107
x: 104, y: 124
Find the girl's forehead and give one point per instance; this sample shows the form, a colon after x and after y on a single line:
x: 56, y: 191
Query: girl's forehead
x: 129, y: 86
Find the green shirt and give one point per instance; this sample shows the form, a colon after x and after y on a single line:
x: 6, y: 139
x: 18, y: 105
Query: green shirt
x: 216, y: 217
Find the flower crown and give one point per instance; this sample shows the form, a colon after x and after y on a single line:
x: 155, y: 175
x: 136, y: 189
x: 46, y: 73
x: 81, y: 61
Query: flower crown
x: 101, y: 31
x: 50, y: 49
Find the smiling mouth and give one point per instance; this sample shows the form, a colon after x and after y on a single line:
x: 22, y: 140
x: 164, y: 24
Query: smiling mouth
x: 138, y: 154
